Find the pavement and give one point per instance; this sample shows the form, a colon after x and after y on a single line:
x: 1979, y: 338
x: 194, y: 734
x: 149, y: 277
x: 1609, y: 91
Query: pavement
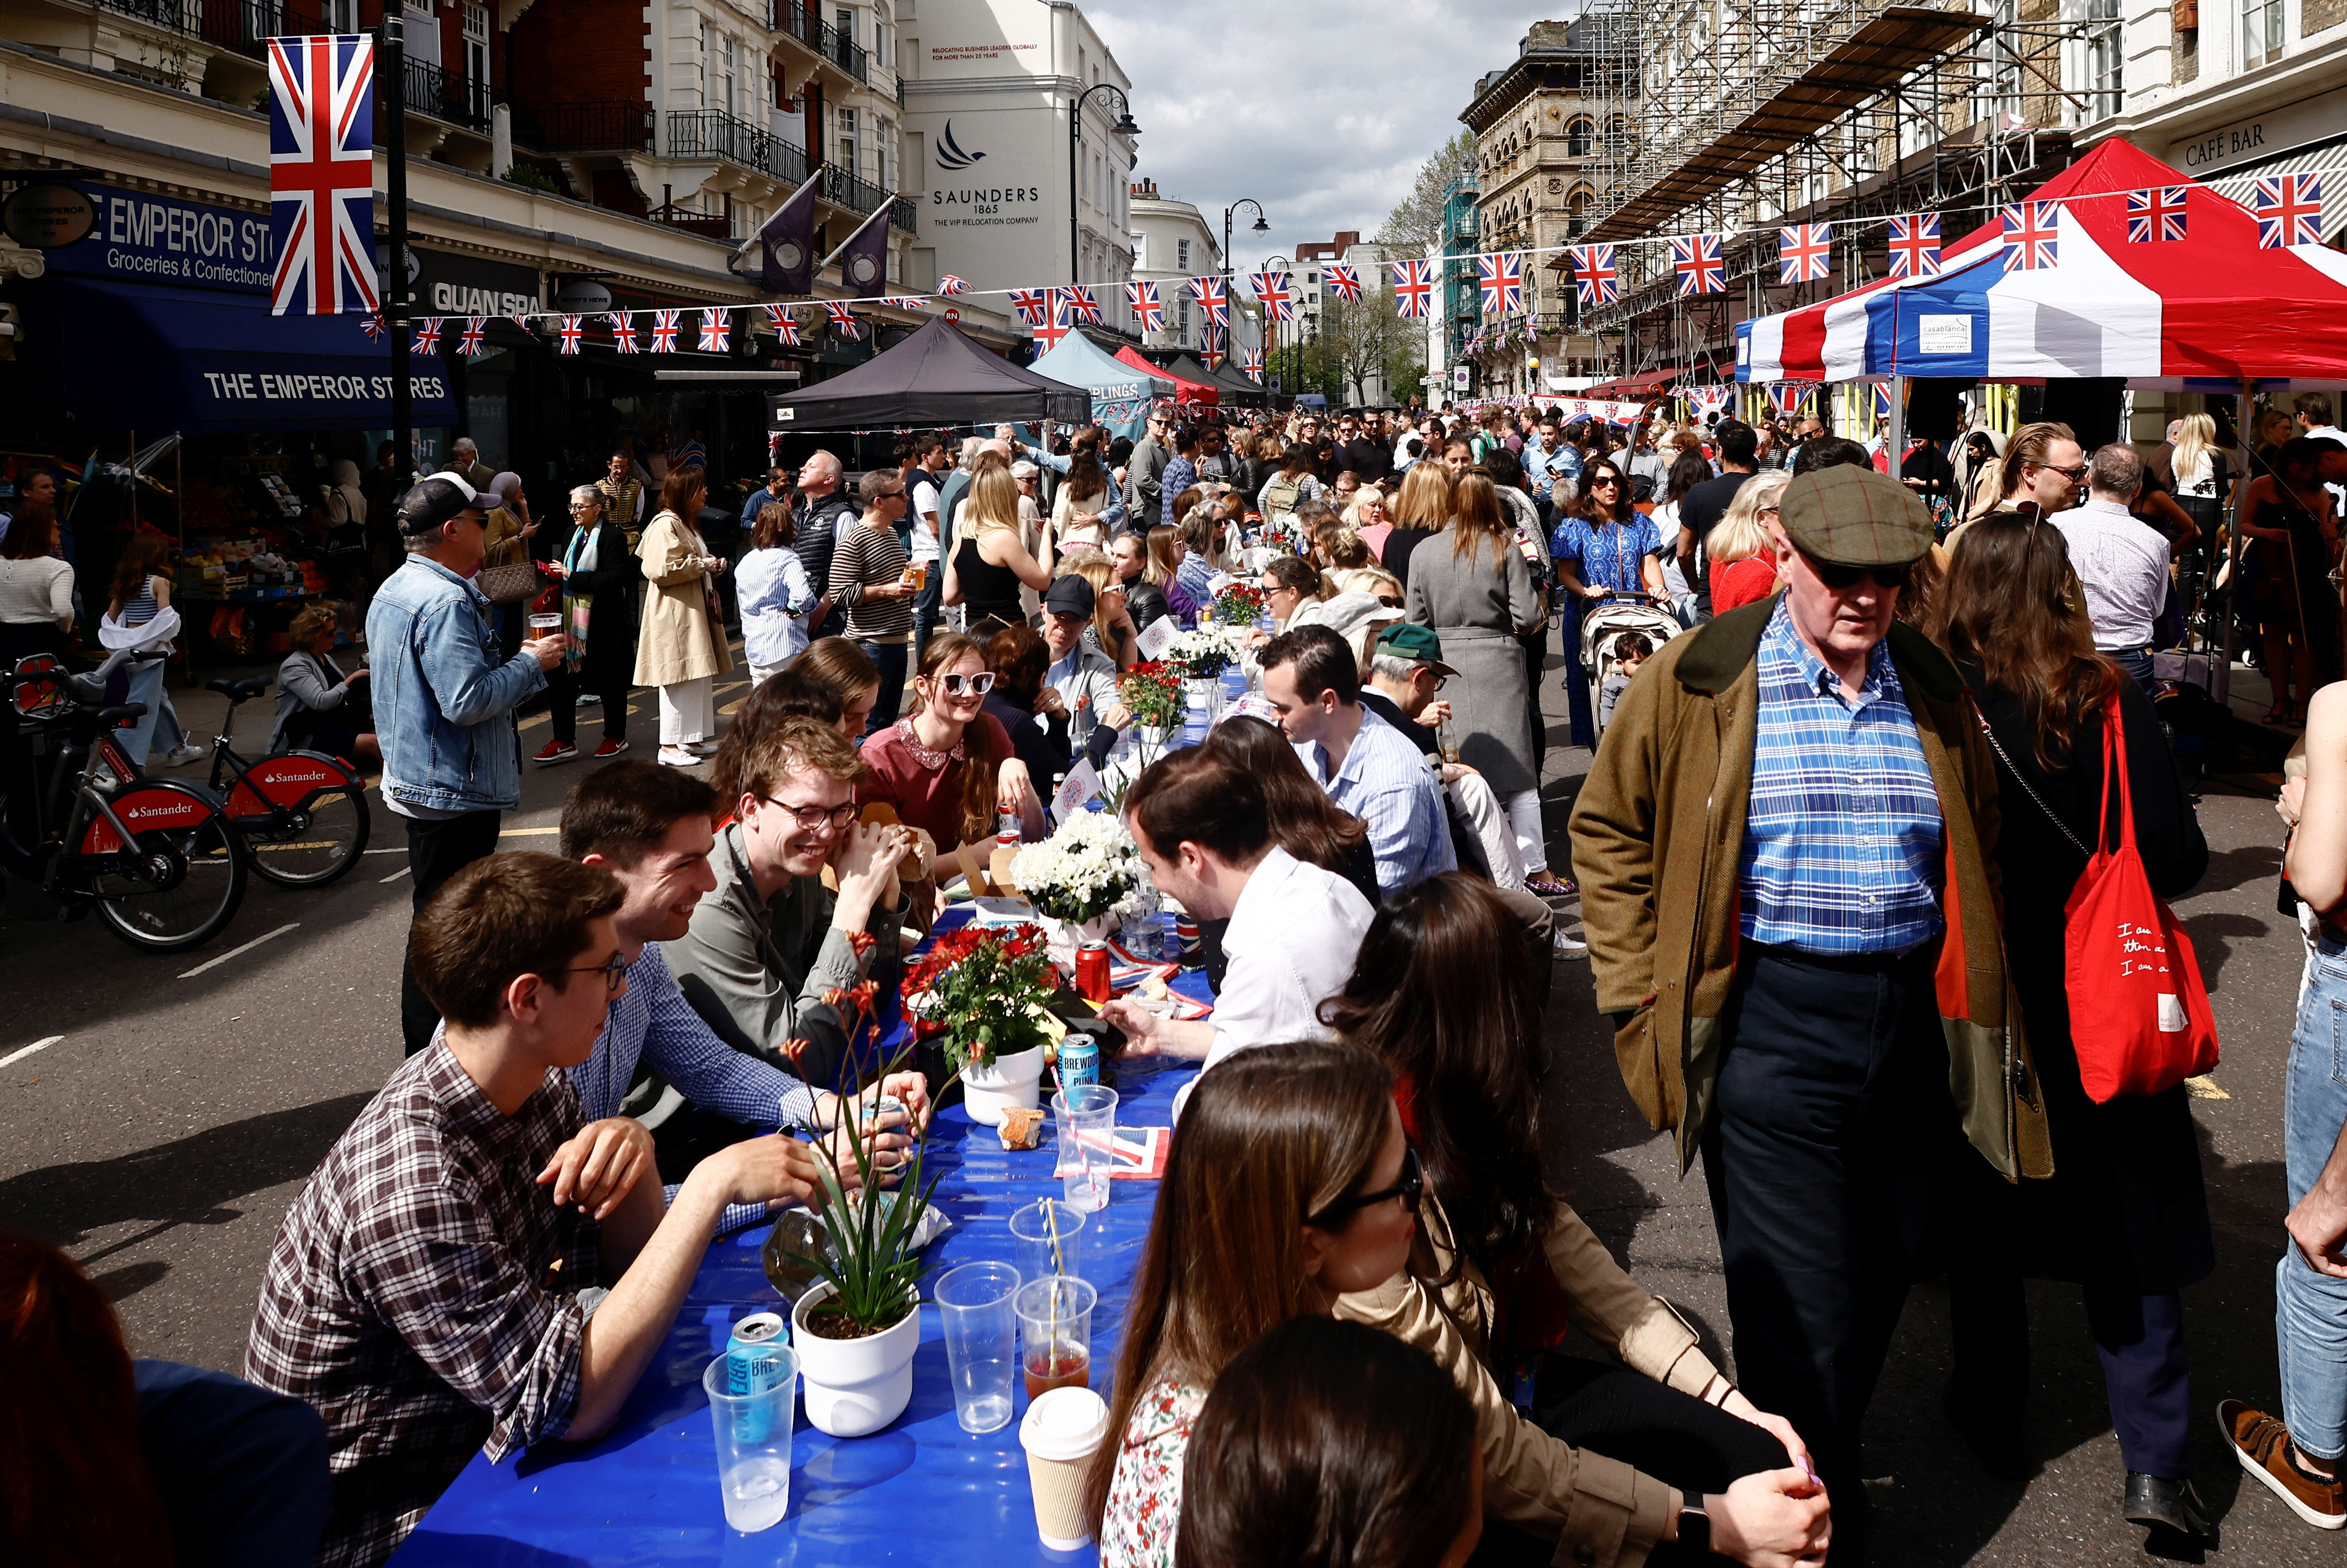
x: 158, y: 1114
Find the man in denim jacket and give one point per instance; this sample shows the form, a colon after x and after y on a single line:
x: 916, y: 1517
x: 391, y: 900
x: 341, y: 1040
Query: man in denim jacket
x: 443, y: 703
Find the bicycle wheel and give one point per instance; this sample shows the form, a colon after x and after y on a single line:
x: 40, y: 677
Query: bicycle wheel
x: 325, y: 847
x: 192, y: 885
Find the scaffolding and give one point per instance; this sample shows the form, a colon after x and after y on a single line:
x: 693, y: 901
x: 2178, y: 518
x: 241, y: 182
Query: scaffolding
x: 1744, y: 116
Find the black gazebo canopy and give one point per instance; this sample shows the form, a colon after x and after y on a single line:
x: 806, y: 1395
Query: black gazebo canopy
x: 937, y: 376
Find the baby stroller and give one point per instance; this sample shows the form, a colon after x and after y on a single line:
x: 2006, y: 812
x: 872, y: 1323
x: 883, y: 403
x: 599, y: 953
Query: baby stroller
x: 1605, y: 622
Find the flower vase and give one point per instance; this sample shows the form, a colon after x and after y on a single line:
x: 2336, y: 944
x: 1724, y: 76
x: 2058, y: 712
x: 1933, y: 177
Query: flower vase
x: 1004, y: 1083
x: 1062, y: 938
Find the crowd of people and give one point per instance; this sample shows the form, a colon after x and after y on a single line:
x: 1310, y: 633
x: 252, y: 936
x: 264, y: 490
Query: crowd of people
x: 1822, y: 855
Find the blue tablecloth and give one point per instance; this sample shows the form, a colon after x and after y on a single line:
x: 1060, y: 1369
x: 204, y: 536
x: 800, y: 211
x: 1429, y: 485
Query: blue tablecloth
x: 922, y: 1491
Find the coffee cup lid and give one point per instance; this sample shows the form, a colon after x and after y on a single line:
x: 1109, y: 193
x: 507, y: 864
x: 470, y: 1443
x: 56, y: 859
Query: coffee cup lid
x: 1065, y: 1425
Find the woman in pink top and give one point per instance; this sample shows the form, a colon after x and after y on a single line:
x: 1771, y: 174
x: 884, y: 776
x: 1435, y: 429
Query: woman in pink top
x: 1742, y: 543
x: 948, y: 767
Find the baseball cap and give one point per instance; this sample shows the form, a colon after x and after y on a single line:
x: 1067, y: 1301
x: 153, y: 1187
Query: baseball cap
x: 1419, y: 644
x: 434, y: 500
x: 1854, y: 517
x: 1069, y: 595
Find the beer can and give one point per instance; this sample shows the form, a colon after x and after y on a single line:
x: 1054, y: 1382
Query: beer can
x: 751, y: 1367
x: 1185, y: 934
x: 1092, y: 971
x: 1079, y: 1061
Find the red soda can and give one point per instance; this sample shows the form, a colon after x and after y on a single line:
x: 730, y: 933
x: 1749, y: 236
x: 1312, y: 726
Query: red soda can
x: 1092, y: 971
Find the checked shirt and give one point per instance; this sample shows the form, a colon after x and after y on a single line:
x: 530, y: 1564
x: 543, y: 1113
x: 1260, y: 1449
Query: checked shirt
x: 1842, y: 850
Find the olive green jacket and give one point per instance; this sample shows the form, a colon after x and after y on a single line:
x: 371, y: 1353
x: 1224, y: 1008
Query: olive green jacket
x: 1657, y: 841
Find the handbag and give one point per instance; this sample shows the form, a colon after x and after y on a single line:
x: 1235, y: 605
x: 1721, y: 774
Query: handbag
x: 2139, y: 1015
x: 508, y: 584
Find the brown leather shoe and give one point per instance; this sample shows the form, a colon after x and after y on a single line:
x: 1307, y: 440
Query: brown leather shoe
x: 2261, y: 1443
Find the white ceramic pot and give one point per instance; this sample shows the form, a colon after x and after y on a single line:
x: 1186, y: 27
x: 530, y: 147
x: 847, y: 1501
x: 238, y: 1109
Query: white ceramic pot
x: 1005, y: 1083
x: 853, y: 1386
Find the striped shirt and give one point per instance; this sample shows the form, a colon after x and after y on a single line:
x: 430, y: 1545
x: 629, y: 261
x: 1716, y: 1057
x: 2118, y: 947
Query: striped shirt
x: 1842, y: 841
x: 1385, y: 782
x: 870, y: 558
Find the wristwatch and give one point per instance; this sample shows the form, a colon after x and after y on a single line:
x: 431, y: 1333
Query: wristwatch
x: 1694, y: 1529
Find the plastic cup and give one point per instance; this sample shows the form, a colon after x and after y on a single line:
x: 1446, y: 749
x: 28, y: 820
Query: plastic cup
x: 981, y: 1341
x: 753, y: 1441
x: 1055, y: 1333
x: 1059, y: 1434
x: 1085, y: 1118
x: 545, y: 623
x: 1047, y: 1238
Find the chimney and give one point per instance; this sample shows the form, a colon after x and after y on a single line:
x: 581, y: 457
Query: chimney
x: 1144, y: 189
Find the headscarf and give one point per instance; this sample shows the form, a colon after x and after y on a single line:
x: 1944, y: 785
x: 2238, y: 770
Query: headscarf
x: 346, y: 485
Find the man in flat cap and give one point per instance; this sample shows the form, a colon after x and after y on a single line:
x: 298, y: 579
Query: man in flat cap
x: 1784, y: 851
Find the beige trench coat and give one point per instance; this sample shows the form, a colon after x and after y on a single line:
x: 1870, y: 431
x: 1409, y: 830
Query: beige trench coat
x: 675, y: 643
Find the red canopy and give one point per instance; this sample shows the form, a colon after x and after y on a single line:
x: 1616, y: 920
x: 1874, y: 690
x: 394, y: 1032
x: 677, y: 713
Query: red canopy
x: 1185, y: 391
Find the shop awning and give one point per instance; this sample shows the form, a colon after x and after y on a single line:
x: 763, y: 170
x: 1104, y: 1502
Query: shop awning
x: 134, y: 356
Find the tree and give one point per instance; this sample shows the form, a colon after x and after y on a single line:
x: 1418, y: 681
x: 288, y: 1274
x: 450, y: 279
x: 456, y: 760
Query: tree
x: 1358, y: 341
x: 1414, y: 228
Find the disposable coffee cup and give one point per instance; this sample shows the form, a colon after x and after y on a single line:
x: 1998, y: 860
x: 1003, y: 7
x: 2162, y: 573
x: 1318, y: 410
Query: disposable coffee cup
x: 1060, y: 1432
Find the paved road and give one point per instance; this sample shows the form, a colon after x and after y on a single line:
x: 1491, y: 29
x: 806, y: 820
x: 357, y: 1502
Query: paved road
x: 161, y: 1134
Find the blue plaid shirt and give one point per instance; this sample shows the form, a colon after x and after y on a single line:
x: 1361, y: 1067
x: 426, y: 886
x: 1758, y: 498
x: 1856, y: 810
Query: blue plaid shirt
x: 1842, y: 843
x: 1180, y: 474
x: 1386, y: 783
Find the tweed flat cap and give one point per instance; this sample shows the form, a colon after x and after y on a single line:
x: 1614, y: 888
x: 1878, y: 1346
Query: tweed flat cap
x: 1854, y: 517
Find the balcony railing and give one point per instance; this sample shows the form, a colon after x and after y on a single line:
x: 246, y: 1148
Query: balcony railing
x: 709, y: 225
x: 791, y: 18
x: 445, y: 95
x: 713, y: 133
x: 616, y: 125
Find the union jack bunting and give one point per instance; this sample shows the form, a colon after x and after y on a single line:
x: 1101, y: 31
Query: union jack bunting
x: 1915, y: 246
x: 1213, y: 299
x: 2030, y: 235
x: 664, y: 330
x: 1077, y: 303
x: 1804, y: 253
x: 2156, y: 214
x: 1501, y: 278
x: 2289, y: 210
x: 843, y: 320
x: 1413, y: 283
x: 1033, y: 305
x: 1593, y: 277
x: 1787, y: 397
x: 322, y: 174
x: 785, y: 325
x: 1210, y: 342
x: 427, y: 336
x: 950, y: 285
x: 1707, y: 399
x: 1697, y: 261
x: 623, y: 332
x: 572, y: 332
x: 1146, y: 308
x: 1344, y: 281
x: 1271, y: 292
x: 1252, y: 363
x: 1882, y: 400
x: 376, y: 326
x: 477, y: 328
x: 1050, y: 333
x: 716, y: 328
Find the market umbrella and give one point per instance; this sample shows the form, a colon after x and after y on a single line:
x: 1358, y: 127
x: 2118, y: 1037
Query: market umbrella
x: 935, y: 377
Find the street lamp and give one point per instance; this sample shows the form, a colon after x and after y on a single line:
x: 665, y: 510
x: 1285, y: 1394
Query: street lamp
x: 1260, y: 227
x: 1269, y: 325
x: 1124, y: 126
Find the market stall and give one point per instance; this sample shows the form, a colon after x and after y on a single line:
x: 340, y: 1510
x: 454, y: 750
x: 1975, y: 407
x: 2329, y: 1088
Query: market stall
x: 1186, y: 388
x: 1122, y: 393
x: 935, y: 377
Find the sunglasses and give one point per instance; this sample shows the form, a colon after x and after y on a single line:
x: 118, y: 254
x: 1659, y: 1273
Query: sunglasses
x: 1408, y: 1190
x: 1608, y: 482
x: 1839, y: 577
x: 612, y: 972
x: 976, y: 686
x: 2073, y: 475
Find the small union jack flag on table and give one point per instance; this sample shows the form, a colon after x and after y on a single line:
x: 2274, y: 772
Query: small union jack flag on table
x: 2156, y: 214
x: 1033, y: 305
x: 716, y: 327
x: 950, y: 285
x: 477, y: 328
x: 2031, y: 235
x: 843, y: 320
x: 623, y: 332
x: 1701, y: 268
x: 664, y: 330
x: 2288, y: 211
x: 322, y: 174
x: 1804, y: 253
x: 785, y: 325
x: 573, y: 332
x: 1147, y: 309
x: 1915, y: 246
x: 1413, y: 284
x: 1593, y: 278
x: 1344, y: 281
x: 1501, y: 278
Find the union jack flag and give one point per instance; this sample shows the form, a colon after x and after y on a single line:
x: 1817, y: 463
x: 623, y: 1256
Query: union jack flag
x: 1804, y: 253
x: 843, y: 320
x: 1213, y: 299
x: 950, y: 285
x: 1210, y: 342
x: 2030, y: 235
x: 664, y: 330
x: 1413, y: 284
x: 1049, y: 332
x: 905, y: 302
x: 2156, y: 214
x: 716, y: 327
x: 1252, y: 363
x: 572, y: 332
x: 1701, y: 268
x: 476, y: 329
x: 1501, y: 278
x: 1915, y: 246
x: 1146, y: 308
x: 2289, y: 208
x: 1786, y: 396
x: 1076, y: 302
x: 1344, y: 281
x: 1271, y: 292
x: 785, y: 325
x: 1033, y: 305
x: 427, y: 336
x: 322, y: 174
x: 623, y: 332
x: 376, y: 326
x: 1882, y: 400
x: 1593, y: 277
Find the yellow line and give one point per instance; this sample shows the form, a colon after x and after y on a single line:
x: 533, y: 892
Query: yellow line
x: 529, y: 832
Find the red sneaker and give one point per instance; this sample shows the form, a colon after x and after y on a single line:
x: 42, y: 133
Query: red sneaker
x: 555, y: 752
x: 609, y: 748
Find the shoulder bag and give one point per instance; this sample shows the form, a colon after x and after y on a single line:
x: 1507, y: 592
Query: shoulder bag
x: 508, y: 584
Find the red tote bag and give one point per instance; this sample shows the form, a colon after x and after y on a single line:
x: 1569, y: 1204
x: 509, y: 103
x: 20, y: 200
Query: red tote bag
x: 2139, y: 1015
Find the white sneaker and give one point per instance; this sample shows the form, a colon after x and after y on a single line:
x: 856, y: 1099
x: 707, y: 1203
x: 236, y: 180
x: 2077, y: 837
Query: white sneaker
x: 678, y: 757
x: 179, y: 756
x: 1566, y: 947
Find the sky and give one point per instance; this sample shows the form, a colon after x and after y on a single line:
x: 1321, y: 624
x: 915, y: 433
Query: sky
x: 1321, y: 111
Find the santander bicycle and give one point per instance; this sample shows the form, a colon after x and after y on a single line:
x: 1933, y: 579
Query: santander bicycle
x: 302, y: 814
x: 156, y: 857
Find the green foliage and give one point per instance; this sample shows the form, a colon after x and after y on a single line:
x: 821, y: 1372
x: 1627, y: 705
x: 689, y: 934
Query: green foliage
x: 874, y: 1274
x: 531, y: 178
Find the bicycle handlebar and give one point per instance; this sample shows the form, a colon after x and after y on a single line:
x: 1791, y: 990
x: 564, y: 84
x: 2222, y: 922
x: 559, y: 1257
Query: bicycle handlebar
x: 90, y: 689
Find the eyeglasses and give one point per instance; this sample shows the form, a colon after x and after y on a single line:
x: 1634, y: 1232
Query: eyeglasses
x: 613, y: 972
x: 976, y: 686
x: 1408, y: 1189
x: 1848, y: 576
x: 810, y: 817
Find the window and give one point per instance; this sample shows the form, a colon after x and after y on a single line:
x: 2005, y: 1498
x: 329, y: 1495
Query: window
x: 728, y: 60
x: 879, y: 43
x: 1185, y: 304
x: 1181, y: 260
x: 2260, y: 32
x: 477, y: 58
x: 846, y: 157
x: 847, y: 23
x: 341, y: 16
x: 2104, y: 58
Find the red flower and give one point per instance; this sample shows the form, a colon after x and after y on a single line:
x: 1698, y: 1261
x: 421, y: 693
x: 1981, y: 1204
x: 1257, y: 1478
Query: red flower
x: 795, y: 1050
x: 861, y: 942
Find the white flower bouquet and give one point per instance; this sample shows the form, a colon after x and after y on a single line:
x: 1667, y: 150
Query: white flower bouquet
x: 1088, y: 869
x: 1205, y: 653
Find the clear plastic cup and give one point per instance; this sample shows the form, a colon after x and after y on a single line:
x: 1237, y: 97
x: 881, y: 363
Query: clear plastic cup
x: 1047, y: 1238
x: 1085, y: 1118
x: 1055, y: 1333
x: 753, y: 1439
x: 545, y: 623
x: 976, y: 1301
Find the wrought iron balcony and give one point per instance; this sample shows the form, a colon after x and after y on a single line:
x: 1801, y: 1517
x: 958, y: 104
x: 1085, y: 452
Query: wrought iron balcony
x: 615, y: 125
x: 709, y: 225
x: 445, y: 96
x: 793, y: 20
x: 713, y: 133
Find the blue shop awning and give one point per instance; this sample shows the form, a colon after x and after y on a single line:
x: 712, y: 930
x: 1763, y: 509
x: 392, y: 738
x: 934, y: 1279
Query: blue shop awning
x: 135, y: 356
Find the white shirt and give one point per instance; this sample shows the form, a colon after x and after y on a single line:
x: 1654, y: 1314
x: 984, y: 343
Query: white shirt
x: 2122, y: 563
x: 2332, y: 432
x: 1292, y: 940
x: 925, y: 517
x: 775, y: 597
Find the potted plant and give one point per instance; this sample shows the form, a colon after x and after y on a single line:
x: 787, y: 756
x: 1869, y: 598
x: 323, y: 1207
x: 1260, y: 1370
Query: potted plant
x: 984, y: 990
x: 1083, y: 881
x: 1237, y: 605
x: 1202, y: 654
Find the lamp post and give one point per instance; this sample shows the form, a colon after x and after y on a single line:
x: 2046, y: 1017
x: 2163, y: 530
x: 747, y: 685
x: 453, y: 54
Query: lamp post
x: 1124, y: 126
x: 1270, y: 325
x: 1260, y: 227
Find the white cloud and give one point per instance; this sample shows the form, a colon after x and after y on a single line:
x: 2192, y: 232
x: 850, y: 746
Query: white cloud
x: 1320, y: 110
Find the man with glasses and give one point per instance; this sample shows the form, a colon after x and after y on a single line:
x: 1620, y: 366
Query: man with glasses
x: 872, y: 581
x: 1784, y: 849
x: 770, y: 940
x: 1144, y: 469
x: 1084, y: 678
x: 2048, y: 471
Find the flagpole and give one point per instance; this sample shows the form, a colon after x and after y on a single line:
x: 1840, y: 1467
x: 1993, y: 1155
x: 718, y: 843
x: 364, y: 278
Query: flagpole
x: 877, y: 213
x: 392, y: 66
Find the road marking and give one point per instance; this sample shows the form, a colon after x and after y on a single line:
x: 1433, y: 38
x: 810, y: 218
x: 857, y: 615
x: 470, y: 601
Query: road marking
x: 235, y: 952
x: 24, y: 1051
x: 529, y: 832
x: 397, y: 874
x: 394, y: 849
